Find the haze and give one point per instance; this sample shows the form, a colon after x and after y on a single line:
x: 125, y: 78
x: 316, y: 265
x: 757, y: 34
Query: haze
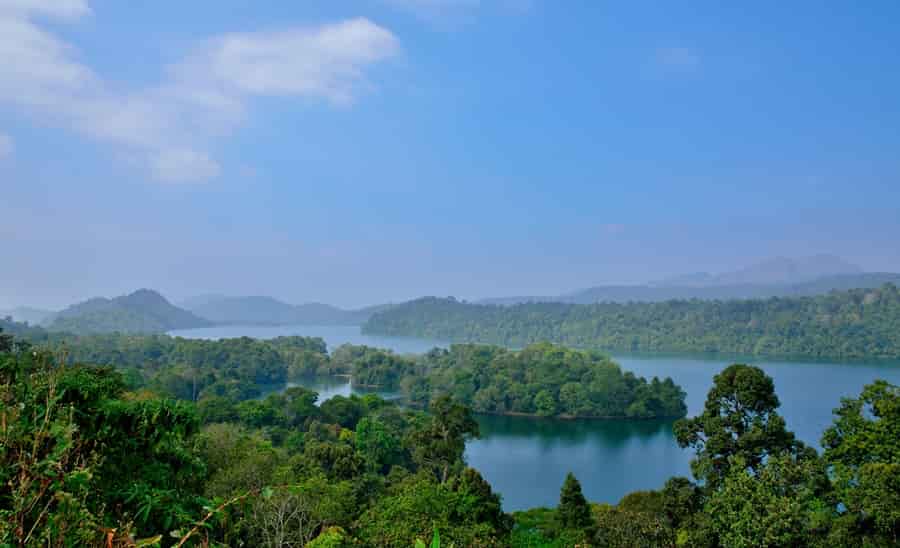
x: 363, y: 152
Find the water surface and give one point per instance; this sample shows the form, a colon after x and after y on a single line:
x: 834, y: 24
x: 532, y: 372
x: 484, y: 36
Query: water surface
x: 526, y: 459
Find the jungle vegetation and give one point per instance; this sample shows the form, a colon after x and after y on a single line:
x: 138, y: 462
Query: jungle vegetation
x: 362, y: 471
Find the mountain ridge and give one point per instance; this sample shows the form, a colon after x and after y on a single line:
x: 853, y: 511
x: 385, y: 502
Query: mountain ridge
x: 265, y: 310
x: 777, y: 277
x: 142, y: 311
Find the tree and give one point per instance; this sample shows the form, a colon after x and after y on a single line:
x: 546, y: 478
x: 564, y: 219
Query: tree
x: 375, y: 443
x: 863, y: 450
x: 738, y: 420
x: 778, y: 505
x: 296, y: 514
x: 573, y: 512
x: 419, y: 505
x: 483, y: 504
x: 544, y: 404
x: 440, y: 443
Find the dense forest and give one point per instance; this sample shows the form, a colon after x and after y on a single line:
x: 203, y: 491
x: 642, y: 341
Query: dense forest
x: 361, y: 471
x: 856, y: 324
x: 542, y: 379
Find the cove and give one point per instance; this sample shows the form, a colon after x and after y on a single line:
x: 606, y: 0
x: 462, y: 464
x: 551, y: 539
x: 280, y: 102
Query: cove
x: 526, y: 459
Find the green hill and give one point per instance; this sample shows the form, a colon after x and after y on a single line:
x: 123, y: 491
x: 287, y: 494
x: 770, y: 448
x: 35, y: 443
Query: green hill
x: 269, y: 311
x: 144, y: 311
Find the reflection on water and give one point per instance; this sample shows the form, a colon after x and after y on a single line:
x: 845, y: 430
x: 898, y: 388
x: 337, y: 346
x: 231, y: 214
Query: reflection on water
x: 526, y: 459
x: 329, y: 387
x: 552, y: 432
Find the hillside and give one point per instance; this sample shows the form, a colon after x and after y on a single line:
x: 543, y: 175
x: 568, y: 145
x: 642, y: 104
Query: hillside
x: 269, y: 311
x: 144, y: 311
x: 855, y: 324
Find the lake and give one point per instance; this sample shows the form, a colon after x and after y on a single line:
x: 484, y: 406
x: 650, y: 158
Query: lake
x: 526, y: 459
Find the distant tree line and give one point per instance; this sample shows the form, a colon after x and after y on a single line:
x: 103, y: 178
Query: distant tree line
x: 855, y: 324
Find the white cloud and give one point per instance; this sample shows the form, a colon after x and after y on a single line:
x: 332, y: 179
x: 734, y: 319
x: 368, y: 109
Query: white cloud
x: 327, y: 61
x: 171, y: 125
x: 679, y: 59
x: 6, y: 146
x: 64, y: 9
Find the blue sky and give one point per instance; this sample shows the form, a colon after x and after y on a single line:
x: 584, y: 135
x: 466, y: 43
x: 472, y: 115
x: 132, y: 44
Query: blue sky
x: 357, y: 152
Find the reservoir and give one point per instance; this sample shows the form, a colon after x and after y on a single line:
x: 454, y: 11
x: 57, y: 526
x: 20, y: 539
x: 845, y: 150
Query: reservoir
x: 526, y: 459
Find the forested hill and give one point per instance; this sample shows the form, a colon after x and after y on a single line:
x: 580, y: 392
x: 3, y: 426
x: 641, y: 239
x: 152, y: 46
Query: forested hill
x: 269, y: 311
x: 144, y: 311
x: 860, y: 323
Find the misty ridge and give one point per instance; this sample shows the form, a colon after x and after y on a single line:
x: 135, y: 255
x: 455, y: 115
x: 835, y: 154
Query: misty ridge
x: 148, y: 311
x: 777, y: 277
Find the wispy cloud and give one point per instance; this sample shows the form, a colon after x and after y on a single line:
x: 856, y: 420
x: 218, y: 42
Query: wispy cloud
x: 6, y: 146
x: 677, y: 59
x: 170, y: 126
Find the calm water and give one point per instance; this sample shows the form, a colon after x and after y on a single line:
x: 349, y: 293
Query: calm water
x: 526, y: 459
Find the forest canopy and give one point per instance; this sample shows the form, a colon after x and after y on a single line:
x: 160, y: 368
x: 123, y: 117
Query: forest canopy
x: 362, y: 471
x: 543, y: 380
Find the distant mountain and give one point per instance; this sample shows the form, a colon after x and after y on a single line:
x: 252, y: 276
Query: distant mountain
x: 269, y: 311
x: 646, y: 293
x: 32, y: 316
x: 809, y: 276
x: 776, y: 271
x: 144, y: 311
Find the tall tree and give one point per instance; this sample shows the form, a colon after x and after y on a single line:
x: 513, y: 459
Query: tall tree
x: 440, y: 443
x: 574, y: 512
x: 739, y: 419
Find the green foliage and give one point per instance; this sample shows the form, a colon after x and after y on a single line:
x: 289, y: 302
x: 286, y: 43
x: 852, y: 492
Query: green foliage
x: 781, y: 504
x: 375, y: 367
x: 863, y: 450
x: 83, y: 461
x: 332, y: 537
x: 77, y: 455
x: 573, y: 512
x: 192, y: 369
x: 620, y: 527
x: 739, y: 419
x: 45, y: 469
x: 439, y: 445
x: 419, y: 505
x: 542, y: 379
x: 859, y: 323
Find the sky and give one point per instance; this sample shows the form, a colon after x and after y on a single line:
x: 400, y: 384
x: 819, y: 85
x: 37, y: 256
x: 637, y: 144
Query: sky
x: 367, y: 151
